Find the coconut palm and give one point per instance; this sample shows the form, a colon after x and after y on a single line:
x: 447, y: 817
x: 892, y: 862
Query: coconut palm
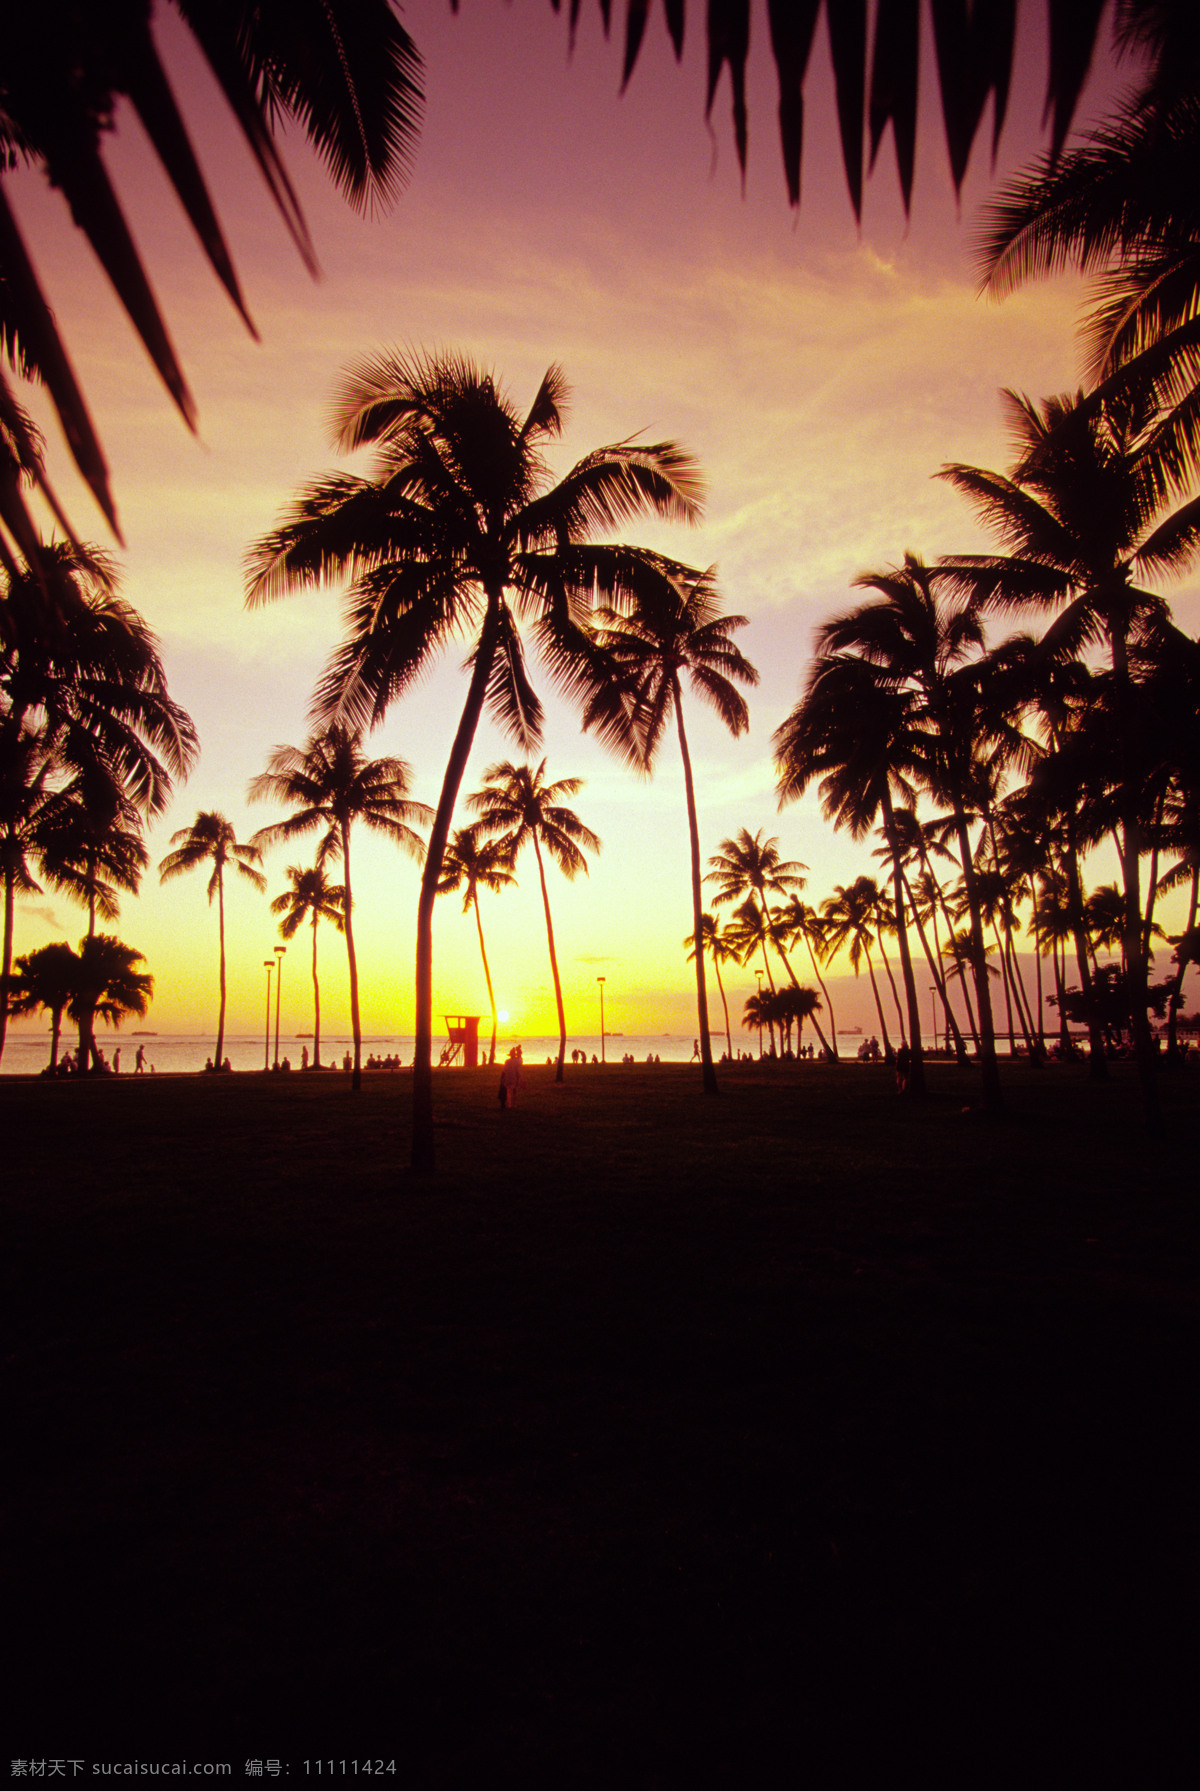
x: 27, y: 771
x: 461, y: 532
x: 798, y: 920
x: 79, y: 665
x: 719, y: 949
x: 211, y: 839
x: 108, y: 984
x: 470, y: 863
x: 331, y: 784
x: 345, y: 71
x: 310, y: 898
x: 516, y: 807
x: 677, y: 632
x: 748, y: 869
x: 1080, y: 518
x: 857, y: 728
x: 91, y: 845
x: 45, y: 979
x: 850, y: 922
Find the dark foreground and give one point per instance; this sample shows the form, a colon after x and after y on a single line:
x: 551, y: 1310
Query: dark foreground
x: 654, y: 1443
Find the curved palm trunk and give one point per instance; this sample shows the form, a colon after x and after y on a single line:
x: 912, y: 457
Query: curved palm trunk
x: 831, y: 1048
x: 56, y: 1014
x: 562, y: 1016
x: 487, y: 977
x: 1097, y: 1060
x: 725, y: 1006
x: 423, y: 1149
x: 316, y: 1000
x: 887, y: 1043
x: 351, y: 957
x: 892, y: 982
x: 935, y: 970
x: 1130, y: 843
x: 219, y: 1059
x: 916, y: 1077
x: 708, y: 1074
x: 993, y: 1100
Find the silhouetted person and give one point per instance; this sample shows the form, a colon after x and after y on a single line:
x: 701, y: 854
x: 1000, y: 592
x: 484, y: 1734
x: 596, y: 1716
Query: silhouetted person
x: 139, y: 1062
x: 510, y: 1077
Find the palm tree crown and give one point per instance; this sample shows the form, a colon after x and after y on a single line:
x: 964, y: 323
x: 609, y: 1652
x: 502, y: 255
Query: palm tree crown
x: 331, y: 784
x: 460, y: 533
x: 211, y: 838
x: 517, y: 807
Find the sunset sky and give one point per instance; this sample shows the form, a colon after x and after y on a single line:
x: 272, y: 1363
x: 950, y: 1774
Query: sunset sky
x: 820, y: 373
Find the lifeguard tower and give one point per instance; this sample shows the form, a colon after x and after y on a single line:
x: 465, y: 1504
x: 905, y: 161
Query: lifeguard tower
x: 464, y: 1037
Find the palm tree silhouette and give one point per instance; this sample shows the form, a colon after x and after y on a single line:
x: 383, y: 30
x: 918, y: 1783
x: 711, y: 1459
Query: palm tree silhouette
x: 1079, y: 517
x: 470, y: 863
x: 108, y: 984
x: 800, y: 921
x: 91, y: 845
x: 311, y: 898
x: 678, y: 630
x: 461, y: 531
x: 45, y: 979
x: 331, y: 784
x: 27, y: 770
x: 721, y: 952
x: 850, y: 914
x: 211, y: 839
x: 747, y: 869
x: 516, y: 807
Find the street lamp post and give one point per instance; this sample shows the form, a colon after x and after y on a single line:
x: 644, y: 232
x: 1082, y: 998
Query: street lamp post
x: 279, y: 951
x: 268, y: 966
x: 601, y: 980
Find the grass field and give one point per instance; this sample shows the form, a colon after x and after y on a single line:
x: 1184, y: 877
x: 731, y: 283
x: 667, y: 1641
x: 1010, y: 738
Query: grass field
x: 654, y: 1442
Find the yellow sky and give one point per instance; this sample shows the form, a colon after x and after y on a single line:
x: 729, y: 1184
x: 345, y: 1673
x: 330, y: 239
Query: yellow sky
x: 820, y: 373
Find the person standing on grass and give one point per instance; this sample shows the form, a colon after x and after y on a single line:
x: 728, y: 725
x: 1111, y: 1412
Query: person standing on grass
x: 510, y: 1077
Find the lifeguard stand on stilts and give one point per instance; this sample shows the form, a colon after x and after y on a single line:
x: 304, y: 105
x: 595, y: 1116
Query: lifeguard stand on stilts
x: 464, y: 1037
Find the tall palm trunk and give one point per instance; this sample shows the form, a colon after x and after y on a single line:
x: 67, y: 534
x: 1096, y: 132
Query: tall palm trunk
x: 725, y: 1006
x: 351, y: 957
x: 993, y: 1100
x: 1175, y: 1000
x: 424, y: 1156
x: 220, y: 1056
x: 916, y: 1077
x: 707, y: 1070
x: 935, y: 970
x: 1136, y: 956
x: 562, y: 1013
x: 316, y: 999
x: 487, y: 977
x: 832, y: 1047
x: 887, y: 1043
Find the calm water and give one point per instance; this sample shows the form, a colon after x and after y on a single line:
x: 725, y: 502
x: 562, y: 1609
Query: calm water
x: 27, y: 1053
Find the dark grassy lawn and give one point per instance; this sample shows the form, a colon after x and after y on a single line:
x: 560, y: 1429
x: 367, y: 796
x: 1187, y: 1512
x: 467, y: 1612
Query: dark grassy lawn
x: 655, y: 1442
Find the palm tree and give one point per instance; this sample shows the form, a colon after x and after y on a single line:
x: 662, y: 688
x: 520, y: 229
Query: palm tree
x: 91, y: 845
x: 27, y: 768
x: 346, y: 73
x: 471, y: 863
x: 516, y: 807
x: 748, y: 869
x: 800, y: 921
x: 719, y: 949
x: 850, y: 919
x: 106, y: 983
x: 461, y: 532
x: 46, y: 979
x: 1080, y: 519
x: 678, y: 630
x: 311, y: 898
x: 330, y: 783
x: 79, y: 665
x: 211, y: 838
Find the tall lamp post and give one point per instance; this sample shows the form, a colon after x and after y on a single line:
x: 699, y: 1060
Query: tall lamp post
x: 279, y: 951
x: 268, y: 966
x: 601, y: 980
